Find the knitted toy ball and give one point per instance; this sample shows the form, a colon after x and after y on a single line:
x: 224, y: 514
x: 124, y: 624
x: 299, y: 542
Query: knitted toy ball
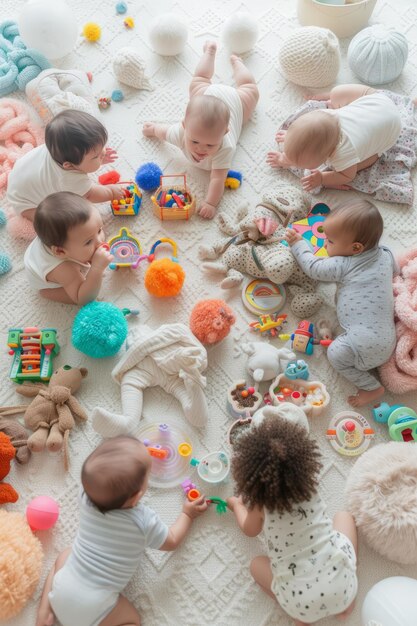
x: 21, y: 558
x: 310, y: 57
x: 99, y: 330
x: 19, y: 227
x: 377, y: 54
x: 129, y: 68
x: 382, y: 496
x: 121, y: 8
x: 164, y: 278
x: 168, y: 34
x: 148, y: 176
x: 240, y: 32
x: 211, y: 320
x: 92, y: 31
x: 391, y: 599
x: 5, y: 264
x: 3, y: 218
x: 48, y: 26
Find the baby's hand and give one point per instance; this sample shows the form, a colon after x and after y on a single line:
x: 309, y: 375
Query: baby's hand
x: 291, y: 236
x: 195, y: 508
x: 277, y: 159
x: 312, y: 181
x: 148, y: 129
x: 102, y: 257
x: 280, y: 136
x: 110, y: 156
x: 208, y: 211
x: 117, y: 191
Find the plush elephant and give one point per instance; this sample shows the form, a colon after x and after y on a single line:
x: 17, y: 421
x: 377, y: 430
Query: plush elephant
x: 256, y: 247
x: 265, y: 361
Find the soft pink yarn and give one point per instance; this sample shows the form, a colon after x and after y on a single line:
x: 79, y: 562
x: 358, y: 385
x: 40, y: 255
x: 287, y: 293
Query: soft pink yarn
x: 399, y: 374
x: 18, y: 135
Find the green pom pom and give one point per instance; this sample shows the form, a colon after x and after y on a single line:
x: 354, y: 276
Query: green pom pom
x: 99, y: 330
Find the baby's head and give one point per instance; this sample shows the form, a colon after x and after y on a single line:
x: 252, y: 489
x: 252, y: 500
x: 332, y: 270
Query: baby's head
x: 353, y: 229
x: 115, y: 475
x: 205, y: 124
x: 311, y: 139
x: 69, y: 225
x: 275, y: 465
x: 76, y: 141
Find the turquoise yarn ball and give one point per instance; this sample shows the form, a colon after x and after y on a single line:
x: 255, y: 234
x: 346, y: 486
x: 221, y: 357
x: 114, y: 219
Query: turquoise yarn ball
x: 121, y: 7
x: 99, y: 330
x: 5, y: 264
x: 117, y: 95
x: 3, y: 218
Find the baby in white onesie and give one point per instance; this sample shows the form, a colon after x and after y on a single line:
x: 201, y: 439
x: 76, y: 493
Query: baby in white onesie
x: 311, y: 564
x: 213, y: 120
x: 359, y: 125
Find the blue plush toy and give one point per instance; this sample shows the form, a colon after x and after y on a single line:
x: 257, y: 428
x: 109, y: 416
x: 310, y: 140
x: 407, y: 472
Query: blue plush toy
x: 148, y: 176
x: 99, y: 329
x: 5, y: 263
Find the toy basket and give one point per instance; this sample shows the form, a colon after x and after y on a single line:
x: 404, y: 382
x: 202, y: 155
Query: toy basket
x: 309, y: 395
x: 344, y: 20
x: 168, y: 193
x: 129, y: 205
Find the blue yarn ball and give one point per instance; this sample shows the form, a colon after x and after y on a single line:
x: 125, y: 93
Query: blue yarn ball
x: 117, y: 95
x: 3, y: 218
x: 148, y: 176
x: 121, y: 7
x: 5, y: 264
x: 99, y: 330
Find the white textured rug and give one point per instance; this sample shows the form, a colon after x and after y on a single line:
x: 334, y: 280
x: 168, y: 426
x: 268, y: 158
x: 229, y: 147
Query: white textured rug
x: 206, y: 581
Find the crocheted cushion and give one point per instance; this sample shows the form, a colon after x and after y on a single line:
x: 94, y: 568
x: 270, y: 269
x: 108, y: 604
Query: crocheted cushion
x: 377, y: 54
x: 129, y: 68
x: 310, y: 57
x: 55, y: 90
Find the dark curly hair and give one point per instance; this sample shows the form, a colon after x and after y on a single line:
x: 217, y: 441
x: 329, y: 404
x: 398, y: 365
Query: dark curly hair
x: 275, y: 465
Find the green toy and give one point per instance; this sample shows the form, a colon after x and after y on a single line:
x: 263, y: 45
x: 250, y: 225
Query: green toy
x: 33, y: 351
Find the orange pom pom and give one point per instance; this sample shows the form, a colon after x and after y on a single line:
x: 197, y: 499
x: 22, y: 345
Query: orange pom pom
x: 164, y: 278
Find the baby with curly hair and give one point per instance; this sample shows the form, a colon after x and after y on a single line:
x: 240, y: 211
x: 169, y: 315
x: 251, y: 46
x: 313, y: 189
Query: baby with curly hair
x: 310, y: 569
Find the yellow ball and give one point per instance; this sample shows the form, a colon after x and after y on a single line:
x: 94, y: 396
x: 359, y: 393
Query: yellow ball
x: 92, y: 31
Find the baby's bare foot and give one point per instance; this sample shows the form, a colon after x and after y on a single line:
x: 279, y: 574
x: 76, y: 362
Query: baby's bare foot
x: 366, y: 397
x: 234, y: 59
x: 210, y: 47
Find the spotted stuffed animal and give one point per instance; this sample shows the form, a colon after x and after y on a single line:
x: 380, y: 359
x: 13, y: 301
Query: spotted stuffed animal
x: 255, y: 247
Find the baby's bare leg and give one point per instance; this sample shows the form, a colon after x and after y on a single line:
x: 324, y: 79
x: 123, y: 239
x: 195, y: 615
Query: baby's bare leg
x: 204, y: 71
x: 344, y: 522
x: 123, y: 614
x: 45, y: 616
x: 246, y: 86
x: 56, y: 295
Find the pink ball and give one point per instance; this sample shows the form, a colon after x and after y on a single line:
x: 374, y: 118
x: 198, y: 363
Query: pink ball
x: 42, y: 513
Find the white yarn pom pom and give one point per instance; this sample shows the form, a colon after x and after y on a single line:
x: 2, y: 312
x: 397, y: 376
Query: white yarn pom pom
x: 240, y: 32
x: 168, y: 34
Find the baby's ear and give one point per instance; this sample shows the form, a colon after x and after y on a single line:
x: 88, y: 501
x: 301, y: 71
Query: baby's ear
x: 58, y: 251
x: 67, y: 165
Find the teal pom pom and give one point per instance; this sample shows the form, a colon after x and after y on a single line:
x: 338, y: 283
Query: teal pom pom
x: 3, y: 218
x: 148, y: 176
x: 117, y: 95
x: 5, y: 264
x: 99, y: 330
x: 121, y: 8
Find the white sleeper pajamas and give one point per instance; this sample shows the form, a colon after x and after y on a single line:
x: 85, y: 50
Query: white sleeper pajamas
x: 365, y: 309
x: 313, y: 566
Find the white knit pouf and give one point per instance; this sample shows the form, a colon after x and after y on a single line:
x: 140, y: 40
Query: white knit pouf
x: 310, y: 57
x: 240, y: 32
x: 377, y: 54
x: 129, y: 68
x: 168, y: 34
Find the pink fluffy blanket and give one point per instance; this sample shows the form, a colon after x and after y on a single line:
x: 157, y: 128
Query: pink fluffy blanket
x: 399, y: 374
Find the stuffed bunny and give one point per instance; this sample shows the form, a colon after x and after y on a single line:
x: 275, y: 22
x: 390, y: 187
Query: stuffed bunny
x: 52, y: 411
x: 265, y: 361
x: 256, y: 247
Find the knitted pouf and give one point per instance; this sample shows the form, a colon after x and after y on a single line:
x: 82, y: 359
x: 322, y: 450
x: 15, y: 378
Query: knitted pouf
x: 20, y: 563
x: 310, y: 57
x: 377, y: 54
x: 382, y: 496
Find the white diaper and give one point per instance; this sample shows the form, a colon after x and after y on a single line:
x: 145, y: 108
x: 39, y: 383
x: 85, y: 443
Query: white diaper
x: 54, y: 90
x: 78, y: 603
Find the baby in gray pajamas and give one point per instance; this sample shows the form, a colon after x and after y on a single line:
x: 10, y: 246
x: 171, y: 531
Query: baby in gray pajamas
x: 365, y: 305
